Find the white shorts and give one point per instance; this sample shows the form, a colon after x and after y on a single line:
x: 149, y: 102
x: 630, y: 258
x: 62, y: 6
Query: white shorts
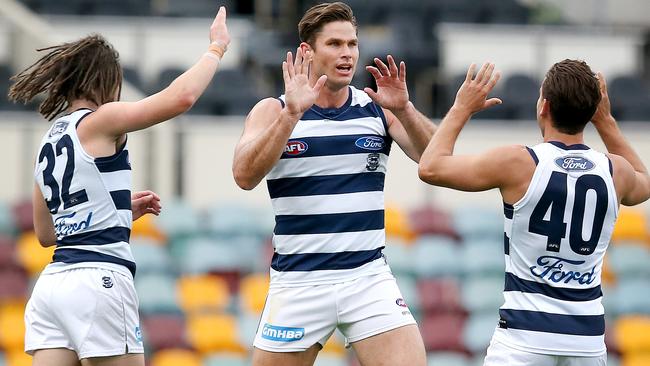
x: 91, y: 311
x: 296, y: 318
x: 498, y: 354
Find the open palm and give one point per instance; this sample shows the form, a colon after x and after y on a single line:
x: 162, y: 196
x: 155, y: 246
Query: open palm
x: 299, y: 96
x: 391, y: 92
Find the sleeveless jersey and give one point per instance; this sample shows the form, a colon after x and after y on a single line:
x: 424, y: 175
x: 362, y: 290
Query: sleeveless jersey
x: 555, y: 241
x: 327, y: 195
x: 89, y: 199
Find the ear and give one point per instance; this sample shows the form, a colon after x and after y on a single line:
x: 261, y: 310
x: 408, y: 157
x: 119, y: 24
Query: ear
x: 545, y: 111
x: 306, y: 49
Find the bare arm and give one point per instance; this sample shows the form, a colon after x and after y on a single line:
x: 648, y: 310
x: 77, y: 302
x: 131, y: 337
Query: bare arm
x: 637, y: 184
x: 269, y: 126
x: 43, y: 225
x: 406, y: 125
x: 441, y: 167
x: 117, y: 118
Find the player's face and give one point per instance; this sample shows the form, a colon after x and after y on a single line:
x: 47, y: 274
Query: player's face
x: 335, y: 53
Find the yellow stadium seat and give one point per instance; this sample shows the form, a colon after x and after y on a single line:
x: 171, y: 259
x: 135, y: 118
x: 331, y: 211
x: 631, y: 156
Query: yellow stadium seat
x: 202, y: 292
x: 12, y: 326
x: 334, y: 346
x: 18, y: 358
x: 31, y: 254
x: 397, y: 224
x: 208, y: 333
x: 636, y: 359
x: 146, y: 227
x: 633, y: 334
x: 631, y: 225
x: 175, y: 357
x: 252, y: 292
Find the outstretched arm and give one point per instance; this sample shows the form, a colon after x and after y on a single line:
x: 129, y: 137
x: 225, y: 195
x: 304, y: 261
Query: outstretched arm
x: 637, y: 186
x: 441, y: 167
x: 269, y: 126
x: 406, y: 125
x: 145, y: 202
x: 116, y: 119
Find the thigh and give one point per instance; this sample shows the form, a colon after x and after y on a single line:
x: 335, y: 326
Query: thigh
x: 304, y: 358
x: 296, y: 318
x: 122, y: 360
x: 583, y: 361
x: 398, y: 347
x: 371, y: 305
x: 55, y: 357
x: 499, y: 354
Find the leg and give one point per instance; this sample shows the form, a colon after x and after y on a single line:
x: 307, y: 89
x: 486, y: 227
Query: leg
x: 398, y: 347
x: 304, y: 358
x: 130, y: 359
x: 55, y: 357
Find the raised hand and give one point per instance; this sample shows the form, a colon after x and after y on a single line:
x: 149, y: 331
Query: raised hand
x: 299, y: 96
x: 472, y: 95
x: 391, y: 92
x: 219, y: 31
x: 145, y: 202
x: 604, y: 110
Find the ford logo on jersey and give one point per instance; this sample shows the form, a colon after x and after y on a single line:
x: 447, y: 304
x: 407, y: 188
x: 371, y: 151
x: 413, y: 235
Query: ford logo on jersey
x: 63, y: 226
x: 574, y: 163
x: 295, y: 147
x: 370, y: 143
x: 282, y: 334
x: 554, y: 269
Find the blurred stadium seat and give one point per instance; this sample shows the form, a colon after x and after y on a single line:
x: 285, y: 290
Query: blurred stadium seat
x: 209, y: 333
x: 31, y: 255
x: 150, y: 256
x: 157, y: 293
x: 252, y: 293
x: 202, y: 293
x: 443, y: 332
x: 12, y: 326
x: 164, y: 331
x: 633, y: 334
x: 632, y: 224
x: 176, y: 357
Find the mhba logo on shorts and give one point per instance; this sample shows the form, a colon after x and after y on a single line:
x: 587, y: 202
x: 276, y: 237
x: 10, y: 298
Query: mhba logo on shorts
x: 574, y: 163
x: 374, y: 143
x: 295, y: 147
x: 138, y: 334
x: 282, y: 334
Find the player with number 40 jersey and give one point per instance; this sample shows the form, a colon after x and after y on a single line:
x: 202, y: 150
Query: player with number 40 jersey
x: 561, y: 201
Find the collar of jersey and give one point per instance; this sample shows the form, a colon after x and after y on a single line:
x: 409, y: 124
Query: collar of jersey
x: 569, y: 147
x: 332, y: 113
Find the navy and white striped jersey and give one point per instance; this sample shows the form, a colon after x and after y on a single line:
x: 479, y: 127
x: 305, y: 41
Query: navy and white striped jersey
x: 327, y: 192
x: 89, y: 199
x: 555, y: 241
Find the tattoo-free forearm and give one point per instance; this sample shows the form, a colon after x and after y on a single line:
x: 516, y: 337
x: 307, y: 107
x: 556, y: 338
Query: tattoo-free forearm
x: 418, y: 126
x: 255, y: 158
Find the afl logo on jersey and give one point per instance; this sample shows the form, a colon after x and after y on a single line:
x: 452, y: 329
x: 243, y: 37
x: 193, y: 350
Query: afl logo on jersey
x: 574, y: 163
x: 370, y: 143
x: 295, y: 147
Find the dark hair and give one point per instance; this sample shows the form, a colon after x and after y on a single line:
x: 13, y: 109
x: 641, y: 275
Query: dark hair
x: 573, y: 92
x: 86, y: 69
x: 319, y: 15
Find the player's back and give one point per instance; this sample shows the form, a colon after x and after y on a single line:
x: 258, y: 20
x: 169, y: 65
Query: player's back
x: 89, y: 199
x: 555, y: 241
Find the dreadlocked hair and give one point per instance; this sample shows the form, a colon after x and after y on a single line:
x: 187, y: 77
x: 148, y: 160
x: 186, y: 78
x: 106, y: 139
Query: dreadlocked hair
x: 86, y: 69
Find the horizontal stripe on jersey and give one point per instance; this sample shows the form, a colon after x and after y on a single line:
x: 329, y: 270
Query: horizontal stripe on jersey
x: 323, y: 261
x: 339, y: 145
x: 325, y: 185
x: 113, y: 163
x: 329, y: 204
x: 584, y: 325
x: 329, y: 223
x: 98, y: 237
x: 72, y: 255
x: 325, y: 165
x: 527, y: 300
x: 321, y: 243
x: 514, y: 283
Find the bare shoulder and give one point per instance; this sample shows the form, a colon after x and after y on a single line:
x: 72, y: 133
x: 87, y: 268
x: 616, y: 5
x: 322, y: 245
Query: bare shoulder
x: 267, y: 107
x: 511, y: 154
x: 622, y: 169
